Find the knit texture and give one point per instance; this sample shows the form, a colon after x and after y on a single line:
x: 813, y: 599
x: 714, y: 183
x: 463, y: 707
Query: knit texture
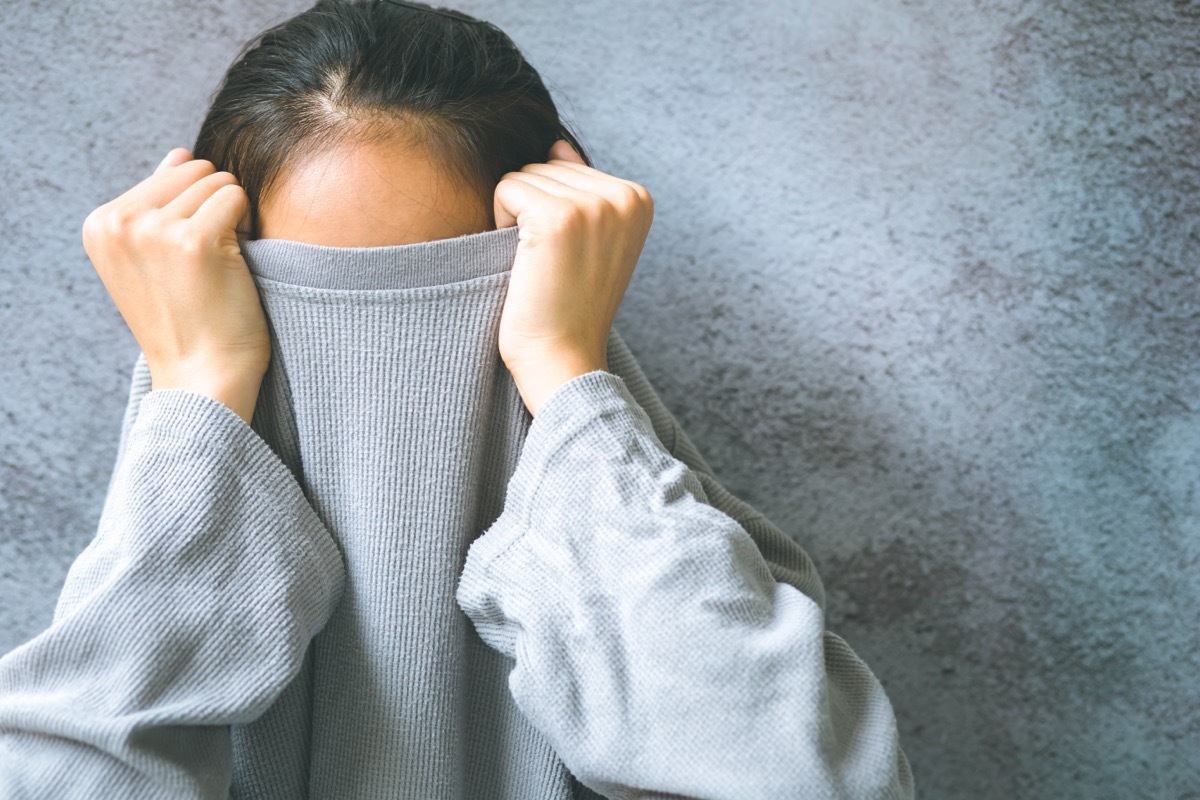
x: 397, y: 584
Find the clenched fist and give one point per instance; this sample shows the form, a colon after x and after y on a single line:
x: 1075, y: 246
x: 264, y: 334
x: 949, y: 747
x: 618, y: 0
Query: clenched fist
x: 168, y: 251
x: 581, y: 233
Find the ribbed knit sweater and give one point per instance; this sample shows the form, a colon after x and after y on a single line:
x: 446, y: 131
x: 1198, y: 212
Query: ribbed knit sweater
x: 395, y: 583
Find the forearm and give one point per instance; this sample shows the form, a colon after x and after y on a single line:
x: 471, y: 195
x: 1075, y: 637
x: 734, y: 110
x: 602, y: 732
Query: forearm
x: 653, y: 646
x: 189, y: 611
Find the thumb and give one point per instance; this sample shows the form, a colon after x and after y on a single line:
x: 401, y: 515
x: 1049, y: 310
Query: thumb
x: 563, y: 150
x: 224, y: 211
x: 511, y: 198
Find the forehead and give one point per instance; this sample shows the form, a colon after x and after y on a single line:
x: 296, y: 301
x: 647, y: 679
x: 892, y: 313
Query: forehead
x: 363, y: 194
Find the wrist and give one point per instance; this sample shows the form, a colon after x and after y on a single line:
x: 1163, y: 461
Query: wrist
x: 236, y: 389
x: 537, y: 379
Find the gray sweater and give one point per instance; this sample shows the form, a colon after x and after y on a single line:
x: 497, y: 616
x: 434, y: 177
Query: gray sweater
x: 396, y: 584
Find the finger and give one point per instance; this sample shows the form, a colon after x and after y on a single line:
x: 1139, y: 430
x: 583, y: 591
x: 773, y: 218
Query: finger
x: 550, y: 184
x: 224, y: 210
x: 586, y: 178
x: 193, y: 197
x: 620, y: 194
x: 174, y: 158
x: 160, y: 188
x: 562, y: 149
x: 513, y: 196
x: 584, y: 169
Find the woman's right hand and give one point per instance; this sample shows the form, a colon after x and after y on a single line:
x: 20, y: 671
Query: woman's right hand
x: 169, y: 253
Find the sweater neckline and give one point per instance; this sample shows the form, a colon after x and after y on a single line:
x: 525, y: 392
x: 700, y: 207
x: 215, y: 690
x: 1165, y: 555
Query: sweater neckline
x: 402, y: 266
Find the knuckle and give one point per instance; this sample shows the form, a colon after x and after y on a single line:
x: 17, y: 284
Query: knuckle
x: 116, y: 222
x: 594, y: 204
x: 606, y: 209
x: 640, y: 202
x: 630, y: 200
x: 567, y: 215
x: 142, y: 230
x: 93, y: 226
x: 187, y: 240
x: 644, y: 195
x: 647, y: 207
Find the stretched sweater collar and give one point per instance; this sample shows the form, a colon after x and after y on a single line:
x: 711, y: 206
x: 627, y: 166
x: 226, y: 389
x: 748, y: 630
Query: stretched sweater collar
x: 403, y: 266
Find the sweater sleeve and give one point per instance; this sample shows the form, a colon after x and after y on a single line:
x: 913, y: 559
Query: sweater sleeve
x: 190, y: 610
x: 655, y: 646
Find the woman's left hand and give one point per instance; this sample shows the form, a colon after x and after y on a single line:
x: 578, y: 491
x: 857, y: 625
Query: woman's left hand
x: 581, y: 233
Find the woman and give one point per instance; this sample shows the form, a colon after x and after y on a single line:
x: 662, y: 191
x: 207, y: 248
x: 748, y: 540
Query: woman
x: 344, y: 555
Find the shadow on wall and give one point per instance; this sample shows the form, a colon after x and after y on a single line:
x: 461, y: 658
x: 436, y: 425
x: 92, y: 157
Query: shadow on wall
x: 928, y: 533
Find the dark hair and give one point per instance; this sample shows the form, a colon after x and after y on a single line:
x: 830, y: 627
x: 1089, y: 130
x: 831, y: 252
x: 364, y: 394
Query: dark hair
x: 366, y: 70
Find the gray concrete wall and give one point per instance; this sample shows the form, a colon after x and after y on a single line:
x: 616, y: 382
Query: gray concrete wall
x: 922, y: 285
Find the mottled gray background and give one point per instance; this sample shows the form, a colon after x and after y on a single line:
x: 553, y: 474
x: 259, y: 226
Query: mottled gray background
x: 921, y: 285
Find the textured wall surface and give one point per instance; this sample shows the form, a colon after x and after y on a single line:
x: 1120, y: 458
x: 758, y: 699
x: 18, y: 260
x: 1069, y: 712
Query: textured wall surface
x: 922, y: 285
